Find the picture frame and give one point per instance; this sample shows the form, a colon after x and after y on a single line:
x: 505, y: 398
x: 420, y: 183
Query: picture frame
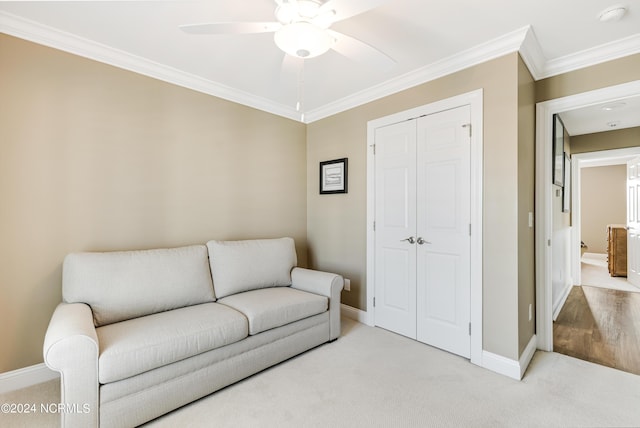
x: 566, y: 190
x: 334, y: 176
x: 558, y: 151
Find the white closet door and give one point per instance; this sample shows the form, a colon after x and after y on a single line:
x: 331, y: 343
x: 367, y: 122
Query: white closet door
x: 422, y: 241
x: 443, y: 229
x: 395, y: 216
x: 633, y: 221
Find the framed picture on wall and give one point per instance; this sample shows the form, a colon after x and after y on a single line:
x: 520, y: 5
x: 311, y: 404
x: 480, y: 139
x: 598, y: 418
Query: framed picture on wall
x: 566, y: 191
x: 333, y: 176
x: 558, y: 151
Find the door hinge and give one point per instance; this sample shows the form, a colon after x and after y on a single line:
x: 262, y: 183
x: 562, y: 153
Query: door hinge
x: 469, y: 229
x: 469, y: 329
x: 374, y: 226
x: 548, y: 242
x: 374, y: 302
x: 374, y: 149
x: 468, y: 126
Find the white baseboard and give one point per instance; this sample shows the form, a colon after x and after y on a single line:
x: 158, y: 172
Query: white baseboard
x: 499, y: 364
x: 354, y: 313
x: 527, y: 354
x: 561, y: 301
x: 28, y: 376
x: 508, y: 367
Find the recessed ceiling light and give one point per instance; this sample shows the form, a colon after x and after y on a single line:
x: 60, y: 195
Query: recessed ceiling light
x: 613, y: 106
x: 612, y: 14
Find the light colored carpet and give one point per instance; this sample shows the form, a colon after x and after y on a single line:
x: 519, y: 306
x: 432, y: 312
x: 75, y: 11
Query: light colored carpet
x: 373, y: 378
x: 595, y: 273
x: 45, y: 393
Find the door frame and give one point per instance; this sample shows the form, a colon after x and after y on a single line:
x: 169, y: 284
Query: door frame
x: 585, y: 160
x: 474, y: 99
x: 544, y: 194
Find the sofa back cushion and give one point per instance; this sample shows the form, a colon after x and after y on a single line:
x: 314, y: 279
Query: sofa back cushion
x: 123, y: 285
x: 238, y: 266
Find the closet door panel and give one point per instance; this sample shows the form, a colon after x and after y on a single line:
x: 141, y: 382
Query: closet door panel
x: 443, y: 282
x: 395, y: 214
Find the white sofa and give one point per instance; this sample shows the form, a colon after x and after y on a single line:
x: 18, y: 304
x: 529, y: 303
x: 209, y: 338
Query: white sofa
x: 141, y: 333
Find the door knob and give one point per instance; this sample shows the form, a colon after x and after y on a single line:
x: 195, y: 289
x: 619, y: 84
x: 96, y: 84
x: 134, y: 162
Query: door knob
x: 422, y: 241
x: 410, y: 239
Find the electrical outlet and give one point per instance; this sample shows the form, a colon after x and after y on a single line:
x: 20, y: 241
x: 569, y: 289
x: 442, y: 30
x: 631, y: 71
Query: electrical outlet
x: 347, y: 284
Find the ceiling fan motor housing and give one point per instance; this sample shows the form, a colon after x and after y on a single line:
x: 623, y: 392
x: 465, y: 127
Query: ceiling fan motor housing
x: 289, y: 11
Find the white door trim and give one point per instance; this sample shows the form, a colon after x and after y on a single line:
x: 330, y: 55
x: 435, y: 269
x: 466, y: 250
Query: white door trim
x: 474, y: 100
x: 543, y: 193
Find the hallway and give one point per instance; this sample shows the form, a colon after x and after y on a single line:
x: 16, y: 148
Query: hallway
x: 594, y: 272
x: 599, y: 324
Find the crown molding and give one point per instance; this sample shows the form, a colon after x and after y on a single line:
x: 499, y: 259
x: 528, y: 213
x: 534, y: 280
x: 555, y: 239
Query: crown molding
x: 44, y: 35
x: 593, y: 56
x: 523, y: 40
x: 531, y: 54
x: 492, y: 49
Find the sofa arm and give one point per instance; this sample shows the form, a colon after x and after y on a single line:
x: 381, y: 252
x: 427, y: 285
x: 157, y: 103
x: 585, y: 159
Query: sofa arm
x: 324, y: 284
x: 71, y: 348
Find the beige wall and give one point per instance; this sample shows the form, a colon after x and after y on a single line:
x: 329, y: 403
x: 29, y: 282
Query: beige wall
x: 97, y: 158
x: 603, y: 197
x: 609, y: 73
x: 603, y: 201
x: 526, y: 199
x: 337, y: 224
x: 619, y: 139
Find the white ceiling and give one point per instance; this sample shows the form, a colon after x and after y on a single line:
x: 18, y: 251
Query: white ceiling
x: 609, y: 116
x: 426, y: 39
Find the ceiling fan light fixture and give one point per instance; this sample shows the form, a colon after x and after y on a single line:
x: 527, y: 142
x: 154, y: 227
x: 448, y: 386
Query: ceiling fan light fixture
x: 303, y: 40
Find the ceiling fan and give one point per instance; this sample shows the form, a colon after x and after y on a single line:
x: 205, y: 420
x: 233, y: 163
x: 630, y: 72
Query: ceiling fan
x: 302, y: 29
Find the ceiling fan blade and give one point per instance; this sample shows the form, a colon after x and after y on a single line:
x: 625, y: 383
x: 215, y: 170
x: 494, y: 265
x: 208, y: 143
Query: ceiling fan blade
x: 347, y: 8
x: 231, y: 27
x: 361, y: 51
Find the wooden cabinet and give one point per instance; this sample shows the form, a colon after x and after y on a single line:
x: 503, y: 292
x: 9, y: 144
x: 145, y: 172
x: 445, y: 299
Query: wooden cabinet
x: 617, y: 249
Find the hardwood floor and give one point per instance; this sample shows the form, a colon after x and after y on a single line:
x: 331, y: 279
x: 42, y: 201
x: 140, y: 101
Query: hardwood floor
x: 602, y: 326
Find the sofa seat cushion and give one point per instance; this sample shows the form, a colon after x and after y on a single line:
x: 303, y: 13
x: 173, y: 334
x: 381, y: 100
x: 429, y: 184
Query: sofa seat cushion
x: 134, y: 346
x: 269, y: 308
